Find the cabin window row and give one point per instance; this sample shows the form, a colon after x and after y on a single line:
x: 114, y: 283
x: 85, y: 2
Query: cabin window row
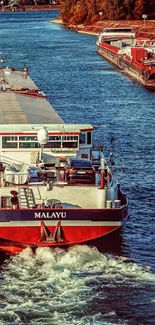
x: 61, y: 141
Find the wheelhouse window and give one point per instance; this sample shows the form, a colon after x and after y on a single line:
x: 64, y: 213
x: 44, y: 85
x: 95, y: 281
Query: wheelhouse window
x: 28, y: 142
x: 69, y: 144
x: 54, y: 141
x: 52, y: 144
x: 119, y: 30
x: 88, y: 137
x: 28, y: 145
x: 69, y: 141
x: 9, y: 142
x: 27, y: 138
x: 82, y: 138
x: 55, y: 138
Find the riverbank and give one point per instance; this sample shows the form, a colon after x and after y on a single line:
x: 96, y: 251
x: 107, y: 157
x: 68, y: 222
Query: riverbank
x: 142, y: 30
x: 30, y: 8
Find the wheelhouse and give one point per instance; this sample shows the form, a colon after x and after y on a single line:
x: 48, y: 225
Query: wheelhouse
x: 64, y: 140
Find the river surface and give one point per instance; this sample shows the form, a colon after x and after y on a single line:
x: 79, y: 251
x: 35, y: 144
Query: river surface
x: 85, y: 285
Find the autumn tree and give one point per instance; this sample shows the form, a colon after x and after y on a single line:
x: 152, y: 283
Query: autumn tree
x: 87, y: 11
x: 114, y: 9
x: 66, y: 7
x: 129, y: 8
x: 149, y: 7
x: 138, y: 9
x: 79, y: 13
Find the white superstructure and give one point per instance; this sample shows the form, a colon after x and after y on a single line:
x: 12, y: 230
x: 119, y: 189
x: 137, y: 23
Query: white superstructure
x: 31, y: 131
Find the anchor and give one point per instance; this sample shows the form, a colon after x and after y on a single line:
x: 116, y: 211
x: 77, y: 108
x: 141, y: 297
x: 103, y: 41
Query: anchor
x: 56, y: 236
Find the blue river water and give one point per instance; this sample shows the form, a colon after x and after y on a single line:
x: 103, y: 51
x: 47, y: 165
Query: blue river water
x: 114, y: 284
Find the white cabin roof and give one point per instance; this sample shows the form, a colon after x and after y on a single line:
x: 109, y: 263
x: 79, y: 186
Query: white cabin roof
x: 54, y: 128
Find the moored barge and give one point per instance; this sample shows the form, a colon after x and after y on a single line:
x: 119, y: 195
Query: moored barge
x: 134, y: 57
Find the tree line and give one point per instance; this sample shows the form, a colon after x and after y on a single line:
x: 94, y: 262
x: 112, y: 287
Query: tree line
x: 20, y: 3
x: 89, y: 11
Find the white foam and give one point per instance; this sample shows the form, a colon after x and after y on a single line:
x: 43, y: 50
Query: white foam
x: 55, y: 284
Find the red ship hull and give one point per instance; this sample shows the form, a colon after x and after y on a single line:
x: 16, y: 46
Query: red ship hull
x: 34, y: 228
x: 76, y: 236
x: 144, y: 74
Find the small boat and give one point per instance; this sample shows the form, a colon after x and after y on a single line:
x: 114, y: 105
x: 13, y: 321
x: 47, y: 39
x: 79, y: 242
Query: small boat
x: 29, y: 92
x: 134, y: 57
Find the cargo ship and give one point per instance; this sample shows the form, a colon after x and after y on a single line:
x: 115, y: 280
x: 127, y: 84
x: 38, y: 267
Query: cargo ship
x: 56, y: 188
x: 134, y: 57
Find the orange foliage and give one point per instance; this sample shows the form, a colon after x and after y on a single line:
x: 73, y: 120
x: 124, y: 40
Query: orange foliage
x: 87, y: 11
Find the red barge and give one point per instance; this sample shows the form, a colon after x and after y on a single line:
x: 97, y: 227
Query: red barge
x: 44, y: 200
x: 134, y: 57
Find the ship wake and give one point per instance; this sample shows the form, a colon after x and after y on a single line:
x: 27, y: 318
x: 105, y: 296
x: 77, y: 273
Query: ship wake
x: 78, y: 286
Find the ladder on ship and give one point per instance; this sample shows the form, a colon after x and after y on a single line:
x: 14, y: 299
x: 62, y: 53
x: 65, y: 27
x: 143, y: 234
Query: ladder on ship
x: 26, y: 197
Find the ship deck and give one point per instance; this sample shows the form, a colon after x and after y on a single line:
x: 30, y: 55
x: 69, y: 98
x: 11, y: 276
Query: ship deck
x: 20, y: 108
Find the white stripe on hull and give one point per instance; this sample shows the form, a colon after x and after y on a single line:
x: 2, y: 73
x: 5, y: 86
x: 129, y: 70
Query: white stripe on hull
x: 63, y: 223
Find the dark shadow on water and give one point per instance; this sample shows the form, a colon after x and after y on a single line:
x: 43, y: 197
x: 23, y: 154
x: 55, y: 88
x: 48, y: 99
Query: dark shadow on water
x: 3, y: 257
x: 113, y: 244
x: 103, y: 68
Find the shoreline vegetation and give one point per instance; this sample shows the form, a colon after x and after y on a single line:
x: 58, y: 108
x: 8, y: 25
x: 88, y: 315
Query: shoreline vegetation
x: 30, y: 8
x: 142, y: 30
